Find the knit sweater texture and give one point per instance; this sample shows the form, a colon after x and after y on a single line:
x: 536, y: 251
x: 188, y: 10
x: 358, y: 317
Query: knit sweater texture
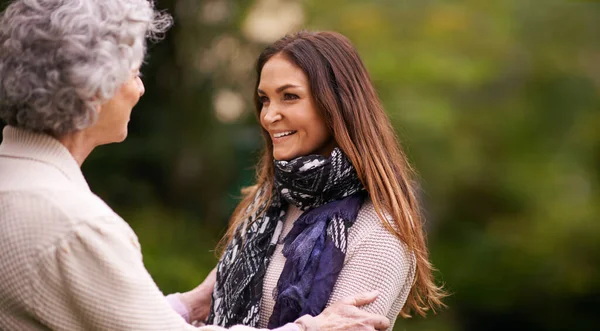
x: 375, y: 260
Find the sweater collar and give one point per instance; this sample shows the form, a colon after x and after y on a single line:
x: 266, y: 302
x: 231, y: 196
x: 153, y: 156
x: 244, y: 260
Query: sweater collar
x: 39, y: 147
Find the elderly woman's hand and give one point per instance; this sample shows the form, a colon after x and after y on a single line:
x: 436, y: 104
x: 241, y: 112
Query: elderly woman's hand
x: 198, y: 299
x: 345, y: 315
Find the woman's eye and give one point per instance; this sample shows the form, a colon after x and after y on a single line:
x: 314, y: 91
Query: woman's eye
x: 289, y: 96
x: 263, y: 99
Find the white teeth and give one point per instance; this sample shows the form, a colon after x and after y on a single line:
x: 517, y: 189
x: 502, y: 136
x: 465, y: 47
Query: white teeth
x: 283, y: 134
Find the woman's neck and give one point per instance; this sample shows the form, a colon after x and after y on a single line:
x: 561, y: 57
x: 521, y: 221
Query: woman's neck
x: 79, y: 144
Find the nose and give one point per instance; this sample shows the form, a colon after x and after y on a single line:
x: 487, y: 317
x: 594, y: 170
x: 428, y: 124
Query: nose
x: 271, y: 114
x: 141, y: 87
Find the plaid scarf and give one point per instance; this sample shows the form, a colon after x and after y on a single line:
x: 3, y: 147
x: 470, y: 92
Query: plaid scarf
x: 311, y: 183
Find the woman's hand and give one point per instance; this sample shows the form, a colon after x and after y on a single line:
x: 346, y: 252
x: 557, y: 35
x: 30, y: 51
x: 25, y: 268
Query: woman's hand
x: 198, y: 299
x: 345, y: 315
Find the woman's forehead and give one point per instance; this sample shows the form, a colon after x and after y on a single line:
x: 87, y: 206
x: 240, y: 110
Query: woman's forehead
x: 279, y: 71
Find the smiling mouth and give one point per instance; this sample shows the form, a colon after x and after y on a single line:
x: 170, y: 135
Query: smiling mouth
x: 283, y: 134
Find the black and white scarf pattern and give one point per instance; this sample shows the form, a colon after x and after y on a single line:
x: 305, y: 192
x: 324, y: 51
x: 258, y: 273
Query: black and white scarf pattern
x: 307, y: 182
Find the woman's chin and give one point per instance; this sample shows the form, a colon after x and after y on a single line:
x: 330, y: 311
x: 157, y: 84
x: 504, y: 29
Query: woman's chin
x: 117, y: 137
x: 284, y: 156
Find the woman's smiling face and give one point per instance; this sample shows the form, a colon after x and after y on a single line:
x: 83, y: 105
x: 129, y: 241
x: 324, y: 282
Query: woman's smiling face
x: 289, y: 113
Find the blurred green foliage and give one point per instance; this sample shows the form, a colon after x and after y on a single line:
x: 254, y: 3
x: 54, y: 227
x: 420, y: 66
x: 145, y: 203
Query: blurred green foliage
x: 496, y: 103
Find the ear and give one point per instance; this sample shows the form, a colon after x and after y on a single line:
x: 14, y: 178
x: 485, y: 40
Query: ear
x: 97, y: 105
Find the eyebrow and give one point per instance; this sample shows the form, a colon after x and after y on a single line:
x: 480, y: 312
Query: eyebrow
x: 279, y: 89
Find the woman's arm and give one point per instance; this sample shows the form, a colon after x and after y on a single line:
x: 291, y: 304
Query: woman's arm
x: 379, y: 261
x: 194, y: 305
x: 94, y: 279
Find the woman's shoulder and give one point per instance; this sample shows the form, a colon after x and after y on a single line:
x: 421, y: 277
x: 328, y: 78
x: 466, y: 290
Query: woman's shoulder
x: 368, y: 222
x: 369, y: 230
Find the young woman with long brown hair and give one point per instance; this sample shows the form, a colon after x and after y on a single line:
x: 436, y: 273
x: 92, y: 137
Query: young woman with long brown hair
x: 334, y: 209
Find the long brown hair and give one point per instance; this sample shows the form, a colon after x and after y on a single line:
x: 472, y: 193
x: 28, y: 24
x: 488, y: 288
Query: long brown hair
x: 346, y: 98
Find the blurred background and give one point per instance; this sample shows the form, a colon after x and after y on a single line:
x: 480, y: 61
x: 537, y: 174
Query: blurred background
x: 497, y: 104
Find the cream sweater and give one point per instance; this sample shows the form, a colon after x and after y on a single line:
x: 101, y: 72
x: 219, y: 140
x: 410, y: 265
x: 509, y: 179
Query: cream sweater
x: 68, y: 262
x: 375, y: 260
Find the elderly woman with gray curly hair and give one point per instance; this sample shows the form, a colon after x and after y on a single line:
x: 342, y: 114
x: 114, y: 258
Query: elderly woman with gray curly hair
x: 68, y: 83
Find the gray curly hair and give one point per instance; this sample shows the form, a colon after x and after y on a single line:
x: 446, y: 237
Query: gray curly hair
x: 60, y: 59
